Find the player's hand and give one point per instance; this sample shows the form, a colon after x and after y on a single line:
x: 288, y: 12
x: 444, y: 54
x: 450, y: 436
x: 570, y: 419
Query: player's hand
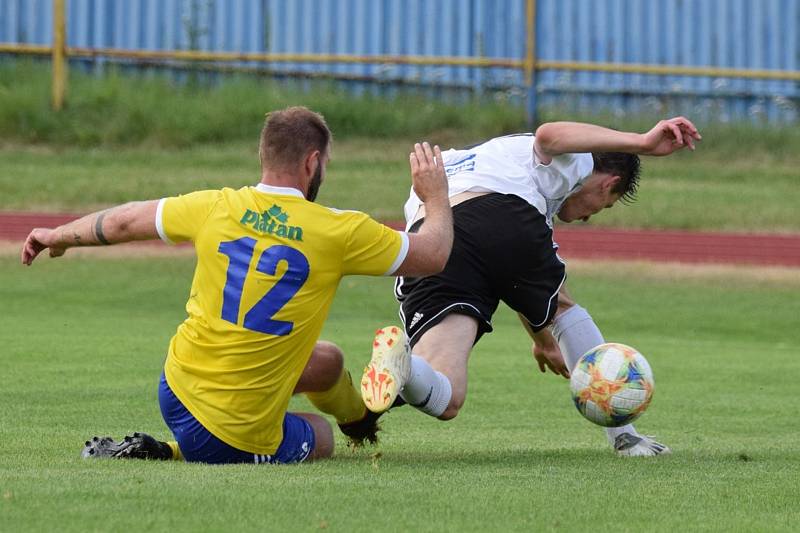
x: 40, y: 239
x: 548, y: 354
x: 669, y: 136
x: 427, y: 172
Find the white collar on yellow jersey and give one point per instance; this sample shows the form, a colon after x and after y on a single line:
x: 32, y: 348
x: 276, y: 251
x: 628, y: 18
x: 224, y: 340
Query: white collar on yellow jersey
x: 291, y: 191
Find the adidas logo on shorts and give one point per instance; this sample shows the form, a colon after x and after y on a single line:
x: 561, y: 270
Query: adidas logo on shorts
x: 417, y: 317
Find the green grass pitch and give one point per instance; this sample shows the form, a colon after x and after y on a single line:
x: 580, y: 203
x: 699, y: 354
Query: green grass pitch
x: 83, y: 340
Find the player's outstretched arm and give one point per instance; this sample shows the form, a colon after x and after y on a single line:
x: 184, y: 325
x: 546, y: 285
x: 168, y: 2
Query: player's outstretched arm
x: 133, y: 221
x: 666, y: 137
x: 429, y: 249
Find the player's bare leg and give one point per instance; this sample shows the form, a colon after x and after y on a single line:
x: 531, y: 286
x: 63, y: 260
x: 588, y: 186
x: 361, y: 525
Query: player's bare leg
x: 329, y: 387
x: 323, y: 435
x: 322, y: 369
x: 438, y: 381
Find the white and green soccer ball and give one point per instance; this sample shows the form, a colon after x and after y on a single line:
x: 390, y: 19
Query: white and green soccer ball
x: 612, y: 384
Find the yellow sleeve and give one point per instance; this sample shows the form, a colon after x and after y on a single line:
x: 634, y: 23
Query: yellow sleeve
x: 372, y: 248
x: 179, y: 218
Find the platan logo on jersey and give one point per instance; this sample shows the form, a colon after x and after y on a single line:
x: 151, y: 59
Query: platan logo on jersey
x: 273, y: 221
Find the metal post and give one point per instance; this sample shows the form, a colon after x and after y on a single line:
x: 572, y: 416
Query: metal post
x: 530, y: 63
x: 59, y: 54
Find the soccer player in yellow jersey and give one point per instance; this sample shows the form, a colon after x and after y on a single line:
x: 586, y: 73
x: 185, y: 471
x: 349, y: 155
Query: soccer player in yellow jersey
x: 269, y: 261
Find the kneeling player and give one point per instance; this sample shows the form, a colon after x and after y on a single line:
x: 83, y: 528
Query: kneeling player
x: 269, y: 261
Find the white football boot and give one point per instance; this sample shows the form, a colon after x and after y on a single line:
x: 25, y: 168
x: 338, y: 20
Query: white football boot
x: 387, y: 371
x: 635, y: 445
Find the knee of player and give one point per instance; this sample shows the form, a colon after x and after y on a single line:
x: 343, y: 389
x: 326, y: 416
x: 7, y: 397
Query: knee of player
x: 452, y: 409
x: 323, y: 437
x: 327, y: 359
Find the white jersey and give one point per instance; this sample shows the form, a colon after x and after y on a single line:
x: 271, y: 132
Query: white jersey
x: 508, y: 165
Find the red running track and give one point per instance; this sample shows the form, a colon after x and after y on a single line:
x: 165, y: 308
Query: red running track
x: 579, y: 242
x: 680, y: 246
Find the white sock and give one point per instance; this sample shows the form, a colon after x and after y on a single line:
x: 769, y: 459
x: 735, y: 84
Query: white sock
x: 613, y: 433
x: 576, y: 334
x: 426, y: 389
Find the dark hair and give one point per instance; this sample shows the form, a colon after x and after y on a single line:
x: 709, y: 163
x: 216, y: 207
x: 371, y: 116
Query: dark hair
x: 289, y: 134
x: 626, y: 166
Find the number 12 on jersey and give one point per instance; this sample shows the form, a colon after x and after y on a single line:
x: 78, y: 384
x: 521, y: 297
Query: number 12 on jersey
x: 259, y: 317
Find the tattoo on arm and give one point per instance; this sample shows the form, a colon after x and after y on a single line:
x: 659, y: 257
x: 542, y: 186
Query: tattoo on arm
x: 77, y: 238
x: 98, y: 229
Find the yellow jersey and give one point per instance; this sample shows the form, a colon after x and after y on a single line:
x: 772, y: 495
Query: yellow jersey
x: 268, y: 265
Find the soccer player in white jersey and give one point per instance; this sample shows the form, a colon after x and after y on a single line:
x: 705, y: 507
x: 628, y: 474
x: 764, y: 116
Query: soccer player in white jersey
x: 269, y: 261
x: 505, y: 193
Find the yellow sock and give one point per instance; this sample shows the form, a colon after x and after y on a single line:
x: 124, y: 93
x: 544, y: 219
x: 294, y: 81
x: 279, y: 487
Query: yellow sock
x: 343, y: 400
x: 176, y: 451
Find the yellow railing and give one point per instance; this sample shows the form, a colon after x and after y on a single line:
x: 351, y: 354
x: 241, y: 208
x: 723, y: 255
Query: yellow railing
x: 59, y: 54
x: 201, y: 56
x: 671, y: 70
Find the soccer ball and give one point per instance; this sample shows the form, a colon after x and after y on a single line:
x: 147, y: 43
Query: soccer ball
x: 612, y: 384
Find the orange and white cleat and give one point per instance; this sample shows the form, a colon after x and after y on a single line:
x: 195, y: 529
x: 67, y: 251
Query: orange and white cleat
x: 388, y: 369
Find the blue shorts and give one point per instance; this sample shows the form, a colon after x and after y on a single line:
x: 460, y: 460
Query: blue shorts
x: 197, y: 444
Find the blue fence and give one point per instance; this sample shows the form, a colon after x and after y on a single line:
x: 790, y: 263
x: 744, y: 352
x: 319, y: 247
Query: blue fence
x: 739, y: 34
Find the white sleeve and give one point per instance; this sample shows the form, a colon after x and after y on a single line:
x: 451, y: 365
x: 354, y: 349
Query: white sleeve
x: 520, y: 147
x: 411, y: 207
x: 160, y: 222
x: 401, y: 255
x: 564, y: 172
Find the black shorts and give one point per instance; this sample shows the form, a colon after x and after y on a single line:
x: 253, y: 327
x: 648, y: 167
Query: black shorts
x: 503, y: 250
